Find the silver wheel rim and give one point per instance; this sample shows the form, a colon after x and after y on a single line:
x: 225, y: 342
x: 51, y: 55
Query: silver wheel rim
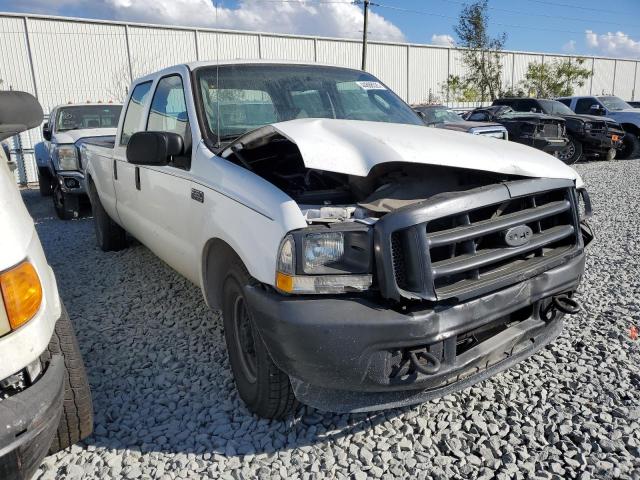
x: 568, y: 152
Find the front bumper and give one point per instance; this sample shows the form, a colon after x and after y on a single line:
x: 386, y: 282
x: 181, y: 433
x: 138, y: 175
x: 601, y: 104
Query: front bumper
x: 339, y: 352
x: 30, y: 419
x: 72, y: 182
x: 600, y: 142
x: 550, y: 145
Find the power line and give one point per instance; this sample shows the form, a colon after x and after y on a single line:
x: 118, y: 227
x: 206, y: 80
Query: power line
x: 542, y: 15
x: 521, y: 27
x: 577, y: 7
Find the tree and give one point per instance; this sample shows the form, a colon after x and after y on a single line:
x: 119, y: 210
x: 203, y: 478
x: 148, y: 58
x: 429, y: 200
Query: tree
x: 482, y: 52
x: 459, y: 90
x: 557, y: 79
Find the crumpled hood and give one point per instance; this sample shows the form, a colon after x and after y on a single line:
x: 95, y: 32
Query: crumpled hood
x: 465, y: 125
x: 72, y: 136
x: 354, y: 147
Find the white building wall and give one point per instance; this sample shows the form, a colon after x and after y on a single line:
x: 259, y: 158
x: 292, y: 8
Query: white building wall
x: 61, y: 60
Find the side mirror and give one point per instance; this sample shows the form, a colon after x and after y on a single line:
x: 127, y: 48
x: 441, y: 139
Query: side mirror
x: 596, y: 109
x: 154, y: 148
x: 46, y: 132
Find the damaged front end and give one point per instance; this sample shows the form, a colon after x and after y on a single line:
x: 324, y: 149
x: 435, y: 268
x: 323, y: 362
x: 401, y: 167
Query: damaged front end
x: 427, y: 277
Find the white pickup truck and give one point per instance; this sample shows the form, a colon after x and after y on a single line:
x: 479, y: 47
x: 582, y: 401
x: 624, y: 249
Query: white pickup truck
x: 60, y: 168
x: 45, y: 401
x: 361, y: 260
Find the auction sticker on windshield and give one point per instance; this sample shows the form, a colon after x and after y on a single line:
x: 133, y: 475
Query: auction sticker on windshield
x: 371, y: 85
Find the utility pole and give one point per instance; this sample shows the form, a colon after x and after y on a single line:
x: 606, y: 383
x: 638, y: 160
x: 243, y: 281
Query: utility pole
x: 364, y: 35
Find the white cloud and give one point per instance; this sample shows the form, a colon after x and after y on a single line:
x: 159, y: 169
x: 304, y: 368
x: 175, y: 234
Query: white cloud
x: 569, y: 47
x: 617, y: 44
x: 443, y: 39
x: 296, y: 17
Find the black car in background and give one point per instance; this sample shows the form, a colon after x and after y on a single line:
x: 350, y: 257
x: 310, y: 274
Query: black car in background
x: 439, y: 116
x: 589, y: 135
x: 544, y: 132
x: 634, y: 103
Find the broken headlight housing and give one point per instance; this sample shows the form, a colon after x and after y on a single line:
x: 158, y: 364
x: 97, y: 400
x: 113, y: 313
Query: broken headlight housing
x: 332, y: 259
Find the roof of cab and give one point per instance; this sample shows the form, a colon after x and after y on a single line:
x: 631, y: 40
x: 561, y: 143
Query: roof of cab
x: 212, y: 63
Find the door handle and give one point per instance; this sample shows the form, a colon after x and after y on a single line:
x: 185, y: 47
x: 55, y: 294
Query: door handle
x: 115, y: 170
x: 138, y: 178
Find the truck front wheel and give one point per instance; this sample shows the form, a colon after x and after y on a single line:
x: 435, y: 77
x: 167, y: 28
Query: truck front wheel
x: 109, y: 235
x: 264, y: 388
x: 76, y: 421
x: 572, y: 152
x: 630, y: 146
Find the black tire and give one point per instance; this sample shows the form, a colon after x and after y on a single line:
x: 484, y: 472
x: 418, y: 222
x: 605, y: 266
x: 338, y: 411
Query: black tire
x: 109, y: 235
x: 45, y: 182
x: 76, y: 421
x: 265, y: 389
x: 572, y: 153
x: 630, y: 147
x: 67, y: 206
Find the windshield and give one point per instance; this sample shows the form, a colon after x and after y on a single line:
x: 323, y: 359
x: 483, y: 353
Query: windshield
x: 438, y: 115
x: 246, y: 97
x: 614, y: 104
x: 553, y: 107
x: 88, y: 116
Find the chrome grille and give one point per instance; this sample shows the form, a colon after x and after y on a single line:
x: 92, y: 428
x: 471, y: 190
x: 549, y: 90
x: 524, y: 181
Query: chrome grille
x: 552, y: 129
x: 464, y: 253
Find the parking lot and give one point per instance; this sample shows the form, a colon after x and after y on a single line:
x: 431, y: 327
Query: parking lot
x: 166, y: 405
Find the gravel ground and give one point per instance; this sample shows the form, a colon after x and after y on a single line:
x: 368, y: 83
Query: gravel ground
x: 166, y: 406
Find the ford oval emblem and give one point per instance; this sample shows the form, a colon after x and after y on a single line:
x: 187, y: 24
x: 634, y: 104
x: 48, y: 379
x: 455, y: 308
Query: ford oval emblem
x: 518, y: 236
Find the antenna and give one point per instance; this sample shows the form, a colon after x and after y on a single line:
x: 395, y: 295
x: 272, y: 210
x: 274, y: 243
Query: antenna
x: 215, y: 5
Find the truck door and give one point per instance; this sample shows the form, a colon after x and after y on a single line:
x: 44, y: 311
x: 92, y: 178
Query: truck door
x: 163, y: 212
x: 125, y: 174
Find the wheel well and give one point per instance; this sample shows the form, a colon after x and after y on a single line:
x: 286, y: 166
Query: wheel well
x: 217, y: 256
x: 630, y: 127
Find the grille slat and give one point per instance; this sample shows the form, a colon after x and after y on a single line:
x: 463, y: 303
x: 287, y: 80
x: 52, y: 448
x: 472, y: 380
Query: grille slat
x: 486, y: 227
x: 465, y: 263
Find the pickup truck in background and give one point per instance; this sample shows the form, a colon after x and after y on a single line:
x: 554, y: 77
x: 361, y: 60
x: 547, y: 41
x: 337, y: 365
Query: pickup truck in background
x: 45, y: 401
x: 589, y: 135
x: 544, y: 132
x: 617, y: 109
x: 439, y: 116
x: 360, y: 259
x: 60, y: 169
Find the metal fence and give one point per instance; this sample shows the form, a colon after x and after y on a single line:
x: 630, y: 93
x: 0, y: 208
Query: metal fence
x: 64, y: 60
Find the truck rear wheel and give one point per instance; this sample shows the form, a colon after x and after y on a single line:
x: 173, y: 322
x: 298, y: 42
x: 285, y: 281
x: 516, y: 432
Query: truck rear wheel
x: 76, y: 421
x: 264, y: 388
x: 109, y: 235
x: 572, y: 152
x: 67, y: 205
x: 630, y: 147
x: 45, y: 182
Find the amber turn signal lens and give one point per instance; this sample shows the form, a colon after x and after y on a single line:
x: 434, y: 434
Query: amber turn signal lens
x: 21, y: 292
x: 284, y: 282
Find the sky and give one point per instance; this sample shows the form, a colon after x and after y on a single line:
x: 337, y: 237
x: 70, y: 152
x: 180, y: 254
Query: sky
x: 592, y: 27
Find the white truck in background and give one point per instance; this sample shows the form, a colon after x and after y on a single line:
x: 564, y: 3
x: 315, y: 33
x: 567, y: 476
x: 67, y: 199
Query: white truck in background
x: 60, y: 168
x: 361, y: 260
x: 45, y: 401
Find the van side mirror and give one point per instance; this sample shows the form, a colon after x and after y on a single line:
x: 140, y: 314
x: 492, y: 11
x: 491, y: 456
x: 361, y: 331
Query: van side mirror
x: 154, y: 148
x: 596, y: 109
x: 46, y: 132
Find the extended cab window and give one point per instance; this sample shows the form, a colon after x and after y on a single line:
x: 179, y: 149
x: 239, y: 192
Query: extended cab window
x: 584, y: 105
x: 168, y: 108
x: 134, y: 112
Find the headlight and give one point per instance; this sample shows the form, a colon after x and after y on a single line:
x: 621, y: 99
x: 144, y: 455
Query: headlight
x: 321, y: 261
x: 67, y: 157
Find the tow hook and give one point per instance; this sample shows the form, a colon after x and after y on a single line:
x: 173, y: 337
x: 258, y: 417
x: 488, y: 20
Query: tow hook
x: 424, y: 362
x: 562, y: 303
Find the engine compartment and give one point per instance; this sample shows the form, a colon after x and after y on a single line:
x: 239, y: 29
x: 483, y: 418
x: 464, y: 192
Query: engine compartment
x: 325, y: 196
